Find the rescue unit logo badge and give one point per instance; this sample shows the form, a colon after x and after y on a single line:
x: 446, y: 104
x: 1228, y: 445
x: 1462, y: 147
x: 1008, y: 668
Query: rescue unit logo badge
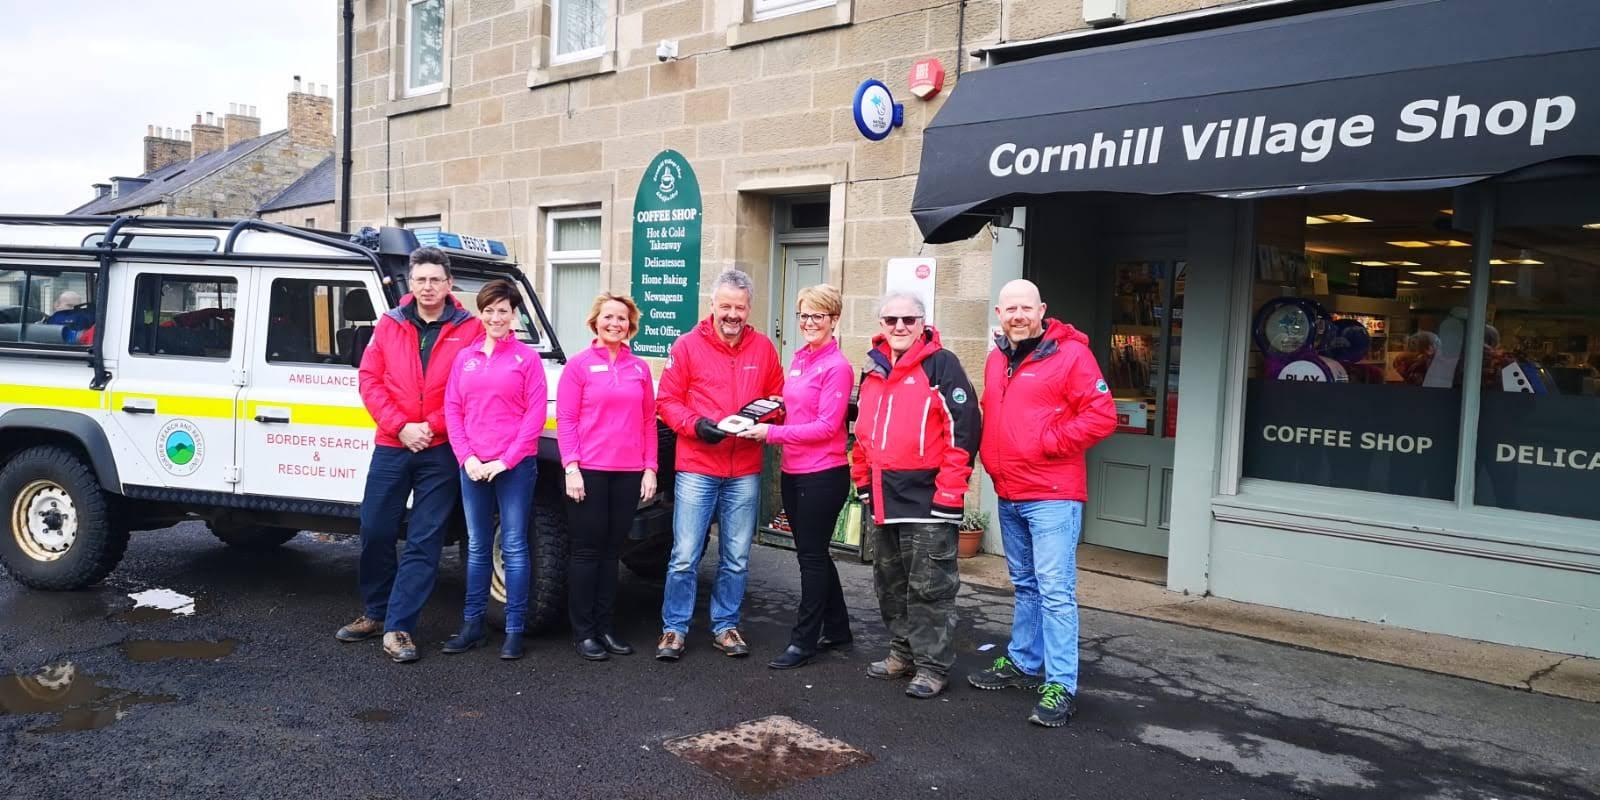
x: 181, y: 448
x: 1100, y: 386
x: 959, y: 395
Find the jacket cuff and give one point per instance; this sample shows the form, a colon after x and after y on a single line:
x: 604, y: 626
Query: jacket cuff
x: 947, y: 512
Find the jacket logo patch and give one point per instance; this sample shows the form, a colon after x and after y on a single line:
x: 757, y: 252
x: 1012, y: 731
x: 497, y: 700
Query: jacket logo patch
x: 793, y: 372
x: 910, y: 379
x: 1027, y: 375
x: 1100, y: 386
x: 470, y: 366
x: 959, y: 395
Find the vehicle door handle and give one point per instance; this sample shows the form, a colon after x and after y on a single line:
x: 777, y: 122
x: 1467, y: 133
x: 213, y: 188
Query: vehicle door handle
x: 276, y: 416
x: 139, y: 405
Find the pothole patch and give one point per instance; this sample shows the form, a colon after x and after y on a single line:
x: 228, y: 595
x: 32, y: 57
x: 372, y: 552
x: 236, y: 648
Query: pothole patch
x: 1259, y: 757
x: 767, y: 754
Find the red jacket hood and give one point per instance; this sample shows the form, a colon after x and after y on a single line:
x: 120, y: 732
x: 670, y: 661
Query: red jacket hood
x: 1056, y: 333
x: 708, y: 328
x: 882, y: 356
x: 454, y: 312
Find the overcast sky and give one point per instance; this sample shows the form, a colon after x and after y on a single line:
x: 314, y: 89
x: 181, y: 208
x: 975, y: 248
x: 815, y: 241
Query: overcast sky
x: 82, y: 78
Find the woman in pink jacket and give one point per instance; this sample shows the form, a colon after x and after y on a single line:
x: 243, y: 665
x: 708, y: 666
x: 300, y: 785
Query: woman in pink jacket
x: 606, y: 426
x: 494, y: 408
x: 816, y: 478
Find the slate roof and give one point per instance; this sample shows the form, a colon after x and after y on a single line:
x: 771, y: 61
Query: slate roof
x: 175, y: 177
x: 313, y: 188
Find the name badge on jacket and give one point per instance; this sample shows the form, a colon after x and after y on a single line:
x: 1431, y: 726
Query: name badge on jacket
x: 599, y: 367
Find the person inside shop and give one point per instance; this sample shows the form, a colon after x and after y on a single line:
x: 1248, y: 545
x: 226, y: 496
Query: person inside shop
x: 1037, y: 428
x: 712, y: 372
x: 403, y: 375
x: 1412, y: 365
x: 910, y: 470
x: 815, y: 478
x: 494, y: 408
x: 606, y: 429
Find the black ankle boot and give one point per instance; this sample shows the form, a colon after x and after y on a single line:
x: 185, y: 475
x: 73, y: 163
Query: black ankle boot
x: 471, y: 635
x: 512, y: 649
x: 593, y: 650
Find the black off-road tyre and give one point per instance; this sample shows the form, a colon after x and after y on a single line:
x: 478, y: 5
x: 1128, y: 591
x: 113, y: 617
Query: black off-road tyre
x: 98, y: 544
x: 547, y: 548
x: 253, y: 538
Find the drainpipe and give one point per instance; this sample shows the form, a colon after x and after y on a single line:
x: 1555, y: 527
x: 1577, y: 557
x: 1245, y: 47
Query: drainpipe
x: 345, y: 160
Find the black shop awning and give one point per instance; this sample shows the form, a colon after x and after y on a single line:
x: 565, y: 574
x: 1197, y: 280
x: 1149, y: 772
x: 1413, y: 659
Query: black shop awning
x: 1386, y: 95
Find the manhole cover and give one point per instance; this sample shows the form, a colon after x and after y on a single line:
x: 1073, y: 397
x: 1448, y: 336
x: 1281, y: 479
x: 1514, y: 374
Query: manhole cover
x: 767, y: 754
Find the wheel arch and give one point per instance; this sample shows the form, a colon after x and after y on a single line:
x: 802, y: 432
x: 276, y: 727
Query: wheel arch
x: 21, y: 428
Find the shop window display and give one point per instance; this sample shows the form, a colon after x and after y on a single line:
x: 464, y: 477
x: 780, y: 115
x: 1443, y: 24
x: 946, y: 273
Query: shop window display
x: 1146, y: 346
x: 1359, y: 308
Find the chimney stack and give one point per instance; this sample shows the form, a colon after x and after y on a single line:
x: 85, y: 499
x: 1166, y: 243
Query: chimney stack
x: 239, y: 125
x: 204, y: 137
x: 310, y: 118
x: 161, y: 148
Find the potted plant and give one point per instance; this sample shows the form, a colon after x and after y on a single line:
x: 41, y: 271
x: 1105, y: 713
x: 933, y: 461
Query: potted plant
x: 973, y: 525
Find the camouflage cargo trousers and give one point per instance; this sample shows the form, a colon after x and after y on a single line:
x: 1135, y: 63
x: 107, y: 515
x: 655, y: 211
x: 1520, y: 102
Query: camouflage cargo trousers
x: 915, y: 576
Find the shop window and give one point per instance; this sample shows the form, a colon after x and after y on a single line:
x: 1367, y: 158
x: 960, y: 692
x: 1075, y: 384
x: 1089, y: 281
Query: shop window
x: 1539, y: 402
x: 573, y: 259
x: 47, y: 307
x: 1146, y: 346
x: 578, y: 29
x: 183, y: 316
x: 1359, y: 308
x: 424, y: 46
x: 318, y: 322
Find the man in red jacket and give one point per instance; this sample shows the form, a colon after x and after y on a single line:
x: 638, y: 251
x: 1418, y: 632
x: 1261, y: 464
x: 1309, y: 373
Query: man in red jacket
x: 1046, y: 404
x: 403, y: 375
x: 916, y: 434
x: 711, y: 373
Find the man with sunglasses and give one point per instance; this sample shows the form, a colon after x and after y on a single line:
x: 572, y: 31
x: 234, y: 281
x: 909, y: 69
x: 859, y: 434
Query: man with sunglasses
x: 917, y: 432
x: 403, y: 376
x: 1046, y: 404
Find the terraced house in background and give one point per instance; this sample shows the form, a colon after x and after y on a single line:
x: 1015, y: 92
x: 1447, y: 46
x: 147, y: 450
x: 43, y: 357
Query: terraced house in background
x: 1348, y: 206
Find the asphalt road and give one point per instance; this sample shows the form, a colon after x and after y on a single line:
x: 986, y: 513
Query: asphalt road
x: 250, y: 696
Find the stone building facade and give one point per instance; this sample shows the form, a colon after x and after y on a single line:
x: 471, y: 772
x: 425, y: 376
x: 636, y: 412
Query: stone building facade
x: 492, y: 126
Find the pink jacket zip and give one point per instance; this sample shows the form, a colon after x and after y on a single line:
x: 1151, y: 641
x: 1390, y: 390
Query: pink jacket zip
x: 606, y: 412
x: 816, y: 401
x: 495, y: 405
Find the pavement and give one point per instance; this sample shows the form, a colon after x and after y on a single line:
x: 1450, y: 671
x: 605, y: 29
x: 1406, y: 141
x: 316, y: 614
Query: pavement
x: 248, y: 695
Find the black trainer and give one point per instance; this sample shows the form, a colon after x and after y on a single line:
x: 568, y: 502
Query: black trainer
x: 1003, y: 674
x: 1055, y: 707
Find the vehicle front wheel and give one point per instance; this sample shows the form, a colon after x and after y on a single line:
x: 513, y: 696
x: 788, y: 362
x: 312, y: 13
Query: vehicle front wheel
x: 60, y: 533
x: 547, y: 549
x: 252, y: 537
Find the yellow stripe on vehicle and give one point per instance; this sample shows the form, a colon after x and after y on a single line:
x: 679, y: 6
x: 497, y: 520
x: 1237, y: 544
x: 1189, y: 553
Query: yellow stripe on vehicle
x: 51, y: 396
x: 313, y: 414
x: 549, y: 423
x: 169, y: 405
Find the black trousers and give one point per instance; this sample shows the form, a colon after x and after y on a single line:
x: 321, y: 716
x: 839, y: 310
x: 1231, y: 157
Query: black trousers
x: 599, y: 526
x: 813, y: 501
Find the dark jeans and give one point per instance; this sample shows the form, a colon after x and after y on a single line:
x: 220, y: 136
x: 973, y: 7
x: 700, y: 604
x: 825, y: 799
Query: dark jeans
x: 510, y: 495
x: 914, y: 573
x: 394, y: 590
x: 813, y: 501
x: 599, y: 526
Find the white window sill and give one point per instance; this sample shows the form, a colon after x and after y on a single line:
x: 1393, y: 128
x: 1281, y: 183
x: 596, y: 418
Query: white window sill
x: 817, y: 19
x: 415, y: 103
x: 1540, y: 539
x: 585, y: 67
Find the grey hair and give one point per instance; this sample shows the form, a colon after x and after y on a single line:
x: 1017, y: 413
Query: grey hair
x: 922, y: 310
x: 735, y: 279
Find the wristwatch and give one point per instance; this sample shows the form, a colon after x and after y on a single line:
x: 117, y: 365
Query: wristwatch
x: 572, y: 469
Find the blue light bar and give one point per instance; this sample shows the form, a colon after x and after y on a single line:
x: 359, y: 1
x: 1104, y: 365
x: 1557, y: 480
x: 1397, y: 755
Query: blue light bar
x: 467, y: 244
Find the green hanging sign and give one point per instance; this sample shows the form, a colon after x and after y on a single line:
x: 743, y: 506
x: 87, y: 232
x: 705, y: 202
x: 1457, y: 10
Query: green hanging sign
x: 666, y: 253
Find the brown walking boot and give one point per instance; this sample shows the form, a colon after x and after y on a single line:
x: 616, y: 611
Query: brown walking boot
x: 399, y: 646
x: 362, y: 629
x: 731, y: 643
x: 670, y: 647
x: 925, y: 685
x: 890, y: 668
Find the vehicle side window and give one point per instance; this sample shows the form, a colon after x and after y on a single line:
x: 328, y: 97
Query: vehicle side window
x: 318, y: 321
x: 47, y: 307
x: 183, y: 316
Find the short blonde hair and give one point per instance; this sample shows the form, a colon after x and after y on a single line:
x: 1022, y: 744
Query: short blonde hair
x: 823, y: 297
x: 610, y: 297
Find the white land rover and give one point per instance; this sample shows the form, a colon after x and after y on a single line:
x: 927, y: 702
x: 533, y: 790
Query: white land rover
x: 154, y: 370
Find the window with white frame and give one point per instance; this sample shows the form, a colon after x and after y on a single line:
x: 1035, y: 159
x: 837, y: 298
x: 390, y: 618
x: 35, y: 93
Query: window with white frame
x: 767, y: 9
x: 424, y: 46
x: 428, y: 224
x: 578, y: 29
x: 572, y: 262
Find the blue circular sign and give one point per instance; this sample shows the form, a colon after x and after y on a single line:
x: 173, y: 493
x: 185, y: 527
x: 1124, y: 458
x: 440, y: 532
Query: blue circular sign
x: 875, y: 110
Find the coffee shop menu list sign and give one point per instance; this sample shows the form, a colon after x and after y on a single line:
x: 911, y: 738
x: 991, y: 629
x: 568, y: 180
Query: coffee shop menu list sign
x: 666, y: 253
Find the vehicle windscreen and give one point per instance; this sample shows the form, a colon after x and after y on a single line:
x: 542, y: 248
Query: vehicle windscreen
x: 467, y: 286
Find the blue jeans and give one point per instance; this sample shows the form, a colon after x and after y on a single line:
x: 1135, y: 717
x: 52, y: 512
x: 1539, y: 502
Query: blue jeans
x: 395, y: 589
x: 1041, y: 541
x: 510, y: 495
x: 696, y: 499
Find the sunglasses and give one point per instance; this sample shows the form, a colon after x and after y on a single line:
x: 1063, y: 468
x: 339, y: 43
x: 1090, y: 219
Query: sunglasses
x: 908, y: 321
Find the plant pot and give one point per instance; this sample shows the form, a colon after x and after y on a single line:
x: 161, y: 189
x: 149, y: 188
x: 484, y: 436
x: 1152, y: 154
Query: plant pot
x: 967, y: 546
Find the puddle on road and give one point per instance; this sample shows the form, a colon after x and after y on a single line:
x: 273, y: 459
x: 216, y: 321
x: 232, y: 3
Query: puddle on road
x: 80, y: 702
x: 144, y: 651
x: 767, y: 754
x: 374, y: 715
